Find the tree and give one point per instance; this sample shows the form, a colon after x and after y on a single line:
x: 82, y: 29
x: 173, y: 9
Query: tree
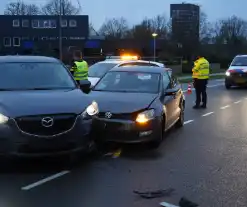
x: 144, y: 30
x: 204, y: 28
x: 231, y: 30
x: 114, y: 28
x: 21, y: 8
x: 65, y: 7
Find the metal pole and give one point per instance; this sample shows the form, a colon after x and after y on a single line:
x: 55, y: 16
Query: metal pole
x: 60, y: 32
x: 154, y: 49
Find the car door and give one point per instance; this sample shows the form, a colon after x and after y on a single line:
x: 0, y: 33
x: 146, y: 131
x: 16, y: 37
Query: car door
x: 168, y: 101
x: 177, y: 96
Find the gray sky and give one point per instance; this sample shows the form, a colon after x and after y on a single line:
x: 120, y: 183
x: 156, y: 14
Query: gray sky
x: 135, y: 10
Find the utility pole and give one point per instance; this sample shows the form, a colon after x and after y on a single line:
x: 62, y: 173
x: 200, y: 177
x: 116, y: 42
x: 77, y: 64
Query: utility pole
x: 60, y: 31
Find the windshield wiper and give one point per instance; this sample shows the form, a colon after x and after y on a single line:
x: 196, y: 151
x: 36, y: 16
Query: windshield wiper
x: 40, y: 88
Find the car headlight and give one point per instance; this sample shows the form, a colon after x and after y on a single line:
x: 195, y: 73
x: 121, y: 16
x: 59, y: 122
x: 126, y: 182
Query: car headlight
x: 3, y: 119
x: 228, y: 73
x: 145, y: 116
x: 91, y: 110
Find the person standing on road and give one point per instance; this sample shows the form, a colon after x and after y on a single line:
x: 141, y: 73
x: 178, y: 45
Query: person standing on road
x: 79, y: 68
x: 200, y: 75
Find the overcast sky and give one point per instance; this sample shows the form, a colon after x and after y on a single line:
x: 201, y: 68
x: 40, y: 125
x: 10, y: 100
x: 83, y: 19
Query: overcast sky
x: 135, y: 10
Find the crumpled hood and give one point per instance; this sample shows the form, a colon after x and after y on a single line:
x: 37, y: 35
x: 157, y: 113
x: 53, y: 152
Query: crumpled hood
x: 24, y: 103
x: 122, y: 102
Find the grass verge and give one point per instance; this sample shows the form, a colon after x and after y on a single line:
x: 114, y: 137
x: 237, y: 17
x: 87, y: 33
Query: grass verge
x: 211, y: 78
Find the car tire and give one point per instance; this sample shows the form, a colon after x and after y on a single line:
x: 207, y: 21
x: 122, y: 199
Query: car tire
x: 156, y: 143
x: 180, y: 122
x: 228, y: 86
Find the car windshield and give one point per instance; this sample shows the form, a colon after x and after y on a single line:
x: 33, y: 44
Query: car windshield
x: 133, y: 82
x: 239, y: 61
x: 99, y: 69
x: 34, y: 76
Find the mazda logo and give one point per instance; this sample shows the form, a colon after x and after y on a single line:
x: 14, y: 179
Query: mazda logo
x: 47, y: 122
x: 108, y: 115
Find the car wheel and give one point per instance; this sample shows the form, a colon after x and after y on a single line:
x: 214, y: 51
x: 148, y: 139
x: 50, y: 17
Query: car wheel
x: 228, y: 86
x: 180, y: 122
x: 156, y: 143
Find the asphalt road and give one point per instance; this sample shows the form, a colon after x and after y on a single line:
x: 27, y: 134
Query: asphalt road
x: 205, y: 161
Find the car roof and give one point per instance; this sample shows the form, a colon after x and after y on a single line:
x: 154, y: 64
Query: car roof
x: 241, y: 56
x: 23, y: 58
x: 142, y: 69
x: 131, y: 61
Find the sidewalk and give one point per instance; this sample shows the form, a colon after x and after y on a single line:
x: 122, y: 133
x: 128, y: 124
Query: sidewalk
x: 189, y: 76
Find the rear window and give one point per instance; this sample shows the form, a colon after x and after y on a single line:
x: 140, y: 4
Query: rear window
x: 99, y: 69
x: 239, y: 61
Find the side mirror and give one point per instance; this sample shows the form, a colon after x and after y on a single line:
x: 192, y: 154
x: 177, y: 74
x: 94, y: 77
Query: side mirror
x: 170, y: 92
x: 85, y: 85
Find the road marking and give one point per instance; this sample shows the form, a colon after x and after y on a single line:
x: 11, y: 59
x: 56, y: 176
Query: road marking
x: 165, y: 204
x: 207, y: 114
x: 236, y: 102
x: 224, y: 107
x: 189, y: 121
x: 211, y: 86
x: 45, y: 180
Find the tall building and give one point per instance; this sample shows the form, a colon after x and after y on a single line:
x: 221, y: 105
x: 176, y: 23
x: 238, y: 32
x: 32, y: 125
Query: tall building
x: 185, y: 22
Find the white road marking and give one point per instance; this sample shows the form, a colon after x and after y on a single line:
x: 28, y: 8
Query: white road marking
x: 45, y: 180
x: 165, y: 204
x: 236, y: 102
x: 211, y: 86
x: 207, y: 114
x: 189, y: 121
x: 224, y: 107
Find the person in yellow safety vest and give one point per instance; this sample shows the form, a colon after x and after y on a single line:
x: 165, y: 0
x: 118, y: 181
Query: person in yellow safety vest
x: 79, y: 68
x: 200, y: 74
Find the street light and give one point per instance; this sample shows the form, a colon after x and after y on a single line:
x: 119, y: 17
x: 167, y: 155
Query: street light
x: 154, y: 36
x: 60, y: 31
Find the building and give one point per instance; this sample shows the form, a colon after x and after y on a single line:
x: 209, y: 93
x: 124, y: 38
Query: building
x: 40, y: 33
x: 185, y: 23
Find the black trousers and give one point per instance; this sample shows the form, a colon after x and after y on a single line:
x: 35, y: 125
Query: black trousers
x: 201, y: 93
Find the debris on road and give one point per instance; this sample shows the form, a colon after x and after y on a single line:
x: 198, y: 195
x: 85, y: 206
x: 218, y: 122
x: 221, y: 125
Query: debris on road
x: 114, y: 154
x: 165, y: 204
x: 184, y: 202
x: 117, y: 153
x: 155, y: 194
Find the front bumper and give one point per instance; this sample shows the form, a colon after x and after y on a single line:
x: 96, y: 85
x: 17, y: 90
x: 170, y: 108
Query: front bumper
x: 125, y: 131
x: 14, y: 142
x: 236, y: 79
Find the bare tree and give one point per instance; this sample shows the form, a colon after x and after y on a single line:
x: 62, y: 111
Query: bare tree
x: 21, y: 8
x: 145, y: 29
x: 114, y: 28
x: 231, y: 30
x: 53, y: 7
x: 204, y: 28
x: 160, y: 26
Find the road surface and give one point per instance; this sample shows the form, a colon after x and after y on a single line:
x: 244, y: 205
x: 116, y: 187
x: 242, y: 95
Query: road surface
x: 206, y: 161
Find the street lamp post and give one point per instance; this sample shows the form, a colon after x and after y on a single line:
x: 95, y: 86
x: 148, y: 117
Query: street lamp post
x: 60, y: 32
x: 154, y: 36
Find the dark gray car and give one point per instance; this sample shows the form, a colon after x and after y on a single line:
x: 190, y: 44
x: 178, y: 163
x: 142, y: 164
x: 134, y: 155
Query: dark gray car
x: 43, y: 111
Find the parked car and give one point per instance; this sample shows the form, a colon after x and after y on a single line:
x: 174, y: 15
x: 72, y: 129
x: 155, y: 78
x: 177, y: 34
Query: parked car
x: 236, y: 75
x: 43, y: 112
x: 137, y: 104
x: 99, y: 69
